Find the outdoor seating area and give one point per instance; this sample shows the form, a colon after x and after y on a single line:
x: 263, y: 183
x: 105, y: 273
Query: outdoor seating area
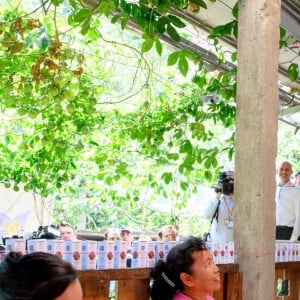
x: 133, y: 284
x: 150, y: 150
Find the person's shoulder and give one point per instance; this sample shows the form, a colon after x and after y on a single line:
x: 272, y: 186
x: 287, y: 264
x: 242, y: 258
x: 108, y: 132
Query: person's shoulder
x: 296, y: 189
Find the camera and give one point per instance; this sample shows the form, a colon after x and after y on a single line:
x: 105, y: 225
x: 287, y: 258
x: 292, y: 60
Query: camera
x: 46, y: 232
x: 225, y: 184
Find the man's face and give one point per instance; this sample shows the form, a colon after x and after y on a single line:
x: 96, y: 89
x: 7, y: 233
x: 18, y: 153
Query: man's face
x: 67, y: 233
x: 284, y: 172
x: 126, y: 236
x: 169, y: 235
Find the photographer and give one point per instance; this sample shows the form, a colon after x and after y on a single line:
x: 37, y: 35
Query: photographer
x: 220, y: 209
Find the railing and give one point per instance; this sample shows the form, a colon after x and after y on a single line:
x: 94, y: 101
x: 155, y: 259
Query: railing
x: 133, y: 284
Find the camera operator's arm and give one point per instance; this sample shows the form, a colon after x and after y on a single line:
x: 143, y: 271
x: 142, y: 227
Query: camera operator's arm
x: 211, y: 207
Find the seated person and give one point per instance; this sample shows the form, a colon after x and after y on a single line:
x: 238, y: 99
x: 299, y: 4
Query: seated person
x: 126, y: 235
x: 167, y: 233
x: 67, y: 231
x: 38, y: 275
x: 188, y: 273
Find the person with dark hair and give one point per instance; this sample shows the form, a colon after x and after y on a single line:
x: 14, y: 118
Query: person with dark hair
x: 188, y: 273
x: 38, y: 276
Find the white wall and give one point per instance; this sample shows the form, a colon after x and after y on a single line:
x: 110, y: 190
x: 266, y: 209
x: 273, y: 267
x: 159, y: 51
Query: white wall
x: 22, y: 211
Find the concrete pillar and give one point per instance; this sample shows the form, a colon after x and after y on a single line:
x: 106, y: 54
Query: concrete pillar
x: 256, y: 145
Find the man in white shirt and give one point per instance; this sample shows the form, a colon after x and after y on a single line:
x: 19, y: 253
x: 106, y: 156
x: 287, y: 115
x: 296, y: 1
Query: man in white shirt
x: 287, y: 205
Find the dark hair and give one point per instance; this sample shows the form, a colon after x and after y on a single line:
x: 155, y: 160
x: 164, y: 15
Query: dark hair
x: 166, y: 275
x: 34, y: 276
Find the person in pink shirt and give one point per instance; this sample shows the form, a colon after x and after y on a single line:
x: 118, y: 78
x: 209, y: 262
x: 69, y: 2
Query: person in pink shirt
x: 189, y: 273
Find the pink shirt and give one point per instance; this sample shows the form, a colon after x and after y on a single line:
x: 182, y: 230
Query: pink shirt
x: 180, y: 296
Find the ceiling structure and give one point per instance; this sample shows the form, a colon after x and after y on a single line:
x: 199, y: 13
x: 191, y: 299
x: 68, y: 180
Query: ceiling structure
x: 220, y: 13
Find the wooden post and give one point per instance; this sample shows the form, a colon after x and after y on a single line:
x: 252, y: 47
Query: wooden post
x: 256, y: 145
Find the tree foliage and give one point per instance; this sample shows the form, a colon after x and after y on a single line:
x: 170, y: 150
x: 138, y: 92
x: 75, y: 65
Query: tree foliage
x: 79, y: 125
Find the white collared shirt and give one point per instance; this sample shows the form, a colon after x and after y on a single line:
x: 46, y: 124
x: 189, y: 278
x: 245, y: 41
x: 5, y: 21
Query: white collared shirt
x: 288, y: 208
x: 219, y: 231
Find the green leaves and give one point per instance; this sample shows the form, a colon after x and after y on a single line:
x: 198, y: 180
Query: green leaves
x: 175, y: 21
x: 183, y: 65
x: 235, y: 10
x: 124, y: 21
x: 158, y: 46
x: 167, y: 23
x: 293, y: 71
x: 91, y: 115
x: 283, y: 42
x: 94, y: 34
x: 182, y: 58
x: 161, y: 24
x: 105, y: 7
x: 57, y: 2
x: 173, y: 33
x: 167, y: 177
x: 173, y: 58
x: 82, y: 15
x: 147, y: 45
x: 186, y: 147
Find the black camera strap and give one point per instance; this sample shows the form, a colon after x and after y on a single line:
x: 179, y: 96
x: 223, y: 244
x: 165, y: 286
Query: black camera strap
x: 216, y: 213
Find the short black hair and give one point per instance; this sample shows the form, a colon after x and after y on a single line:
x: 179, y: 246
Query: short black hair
x: 298, y: 173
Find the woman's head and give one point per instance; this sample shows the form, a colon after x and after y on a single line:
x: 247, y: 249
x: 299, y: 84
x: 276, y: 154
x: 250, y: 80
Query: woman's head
x: 189, y: 268
x: 38, y: 276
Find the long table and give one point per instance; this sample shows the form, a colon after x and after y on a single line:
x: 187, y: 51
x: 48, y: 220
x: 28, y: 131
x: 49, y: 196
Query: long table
x: 133, y: 284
